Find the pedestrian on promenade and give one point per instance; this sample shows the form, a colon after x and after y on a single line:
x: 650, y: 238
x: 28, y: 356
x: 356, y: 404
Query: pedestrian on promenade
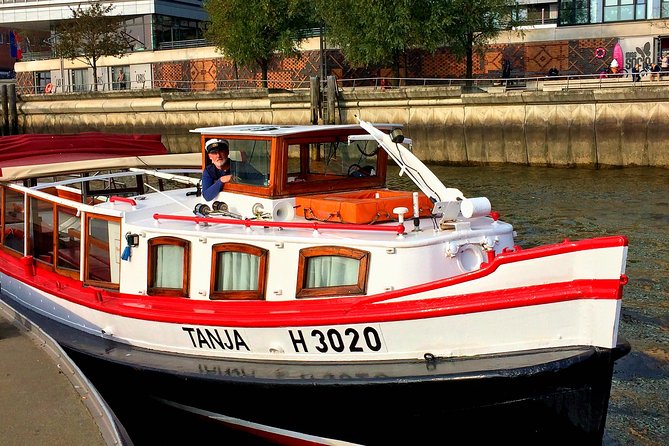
x: 506, y: 70
x: 654, y: 72
x: 636, y: 75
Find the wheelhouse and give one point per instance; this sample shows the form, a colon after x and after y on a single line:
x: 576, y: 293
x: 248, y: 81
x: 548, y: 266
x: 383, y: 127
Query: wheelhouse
x: 296, y: 160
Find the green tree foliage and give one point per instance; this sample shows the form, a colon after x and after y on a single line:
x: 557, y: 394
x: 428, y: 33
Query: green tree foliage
x: 250, y: 32
x: 90, y: 34
x: 469, y: 25
x: 377, y: 32
x: 381, y: 32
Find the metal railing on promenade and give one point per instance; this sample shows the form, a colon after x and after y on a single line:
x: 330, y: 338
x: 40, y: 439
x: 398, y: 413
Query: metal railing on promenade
x: 480, y: 85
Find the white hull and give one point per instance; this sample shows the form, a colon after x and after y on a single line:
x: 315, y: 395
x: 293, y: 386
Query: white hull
x: 524, y: 325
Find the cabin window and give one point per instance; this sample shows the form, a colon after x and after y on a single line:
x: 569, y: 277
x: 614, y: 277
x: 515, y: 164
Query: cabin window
x: 169, y: 258
x: 13, y: 220
x: 103, y: 251
x: 238, y: 271
x: 41, y: 230
x: 69, y: 240
x: 332, y: 271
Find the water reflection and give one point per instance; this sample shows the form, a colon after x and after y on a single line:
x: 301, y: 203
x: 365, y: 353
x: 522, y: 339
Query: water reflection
x: 546, y: 205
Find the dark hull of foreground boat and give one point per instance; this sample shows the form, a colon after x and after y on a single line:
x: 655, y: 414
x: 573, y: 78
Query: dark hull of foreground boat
x: 545, y: 397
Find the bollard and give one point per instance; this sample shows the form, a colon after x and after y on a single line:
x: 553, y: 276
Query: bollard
x: 315, y: 96
x: 332, y: 97
x: 13, y: 118
x: 4, y: 130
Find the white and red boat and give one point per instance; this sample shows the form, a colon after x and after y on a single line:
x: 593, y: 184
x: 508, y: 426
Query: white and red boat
x: 307, y: 303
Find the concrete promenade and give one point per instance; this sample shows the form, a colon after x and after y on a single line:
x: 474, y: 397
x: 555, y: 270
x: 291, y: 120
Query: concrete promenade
x: 43, y: 398
x: 606, y: 127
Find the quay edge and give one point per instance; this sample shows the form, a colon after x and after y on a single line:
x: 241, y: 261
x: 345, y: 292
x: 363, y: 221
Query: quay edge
x: 614, y: 127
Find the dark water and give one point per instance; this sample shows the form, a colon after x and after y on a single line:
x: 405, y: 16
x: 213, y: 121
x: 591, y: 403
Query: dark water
x: 546, y: 206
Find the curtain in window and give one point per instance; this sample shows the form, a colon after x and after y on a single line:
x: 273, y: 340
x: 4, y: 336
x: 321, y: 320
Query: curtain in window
x: 237, y: 271
x: 327, y: 271
x: 169, y: 266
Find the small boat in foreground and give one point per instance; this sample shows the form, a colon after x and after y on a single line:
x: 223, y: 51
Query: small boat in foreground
x: 307, y: 303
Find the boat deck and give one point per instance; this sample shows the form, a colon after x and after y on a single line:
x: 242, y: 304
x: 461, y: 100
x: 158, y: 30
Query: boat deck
x: 44, y: 399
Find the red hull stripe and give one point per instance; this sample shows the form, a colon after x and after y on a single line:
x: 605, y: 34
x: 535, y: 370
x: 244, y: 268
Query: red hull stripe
x: 350, y: 310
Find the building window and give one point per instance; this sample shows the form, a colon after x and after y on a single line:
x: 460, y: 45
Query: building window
x: 79, y: 80
x: 238, y: 271
x: 13, y: 220
x: 103, y: 251
x: 120, y: 77
x: 574, y: 12
x: 42, y: 79
x: 664, y: 9
x: 169, y: 258
x: 332, y: 271
x: 624, y: 10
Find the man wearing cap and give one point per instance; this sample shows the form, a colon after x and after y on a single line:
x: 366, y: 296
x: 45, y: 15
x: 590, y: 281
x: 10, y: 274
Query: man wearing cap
x: 219, y: 171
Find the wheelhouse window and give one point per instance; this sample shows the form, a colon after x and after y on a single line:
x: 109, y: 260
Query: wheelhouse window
x: 249, y: 161
x: 332, y: 271
x: 103, y: 251
x: 13, y: 220
x: 328, y: 159
x: 169, y: 258
x: 238, y: 271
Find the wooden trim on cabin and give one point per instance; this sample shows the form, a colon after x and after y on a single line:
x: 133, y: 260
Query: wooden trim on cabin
x: 152, y: 246
x: 259, y: 292
x: 343, y: 290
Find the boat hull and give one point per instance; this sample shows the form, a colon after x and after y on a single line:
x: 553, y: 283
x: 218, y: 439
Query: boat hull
x: 547, y: 395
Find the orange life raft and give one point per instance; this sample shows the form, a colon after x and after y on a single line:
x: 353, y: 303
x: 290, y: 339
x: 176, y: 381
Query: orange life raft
x: 360, y: 207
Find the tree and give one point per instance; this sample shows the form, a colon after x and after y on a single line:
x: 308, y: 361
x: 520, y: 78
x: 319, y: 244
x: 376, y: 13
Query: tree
x: 469, y: 25
x: 250, y: 32
x: 376, y: 32
x: 90, y: 34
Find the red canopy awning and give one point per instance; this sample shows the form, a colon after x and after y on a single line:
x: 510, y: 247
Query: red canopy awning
x: 20, y: 150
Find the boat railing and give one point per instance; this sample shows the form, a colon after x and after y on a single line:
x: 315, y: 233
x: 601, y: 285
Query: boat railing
x: 399, y: 229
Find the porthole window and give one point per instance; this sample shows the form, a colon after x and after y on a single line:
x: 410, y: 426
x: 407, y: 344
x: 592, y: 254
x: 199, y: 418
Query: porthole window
x: 332, y: 271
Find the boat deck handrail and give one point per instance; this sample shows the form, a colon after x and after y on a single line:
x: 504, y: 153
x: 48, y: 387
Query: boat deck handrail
x: 315, y: 225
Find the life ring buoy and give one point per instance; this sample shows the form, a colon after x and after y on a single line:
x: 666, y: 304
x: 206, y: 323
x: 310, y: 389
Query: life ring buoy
x: 600, y: 53
x: 48, y: 88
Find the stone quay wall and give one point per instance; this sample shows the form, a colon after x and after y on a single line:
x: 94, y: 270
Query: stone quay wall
x: 576, y: 128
